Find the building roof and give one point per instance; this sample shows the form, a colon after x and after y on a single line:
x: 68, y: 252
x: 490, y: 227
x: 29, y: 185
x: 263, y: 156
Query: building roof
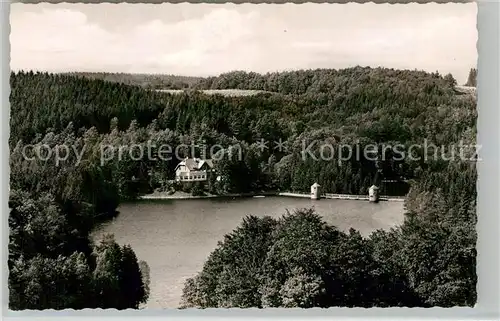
x: 315, y: 185
x: 206, y: 161
x: 373, y: 187
x: 195, y: 163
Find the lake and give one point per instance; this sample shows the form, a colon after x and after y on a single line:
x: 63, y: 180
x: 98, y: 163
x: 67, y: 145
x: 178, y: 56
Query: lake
x: 175, y: 237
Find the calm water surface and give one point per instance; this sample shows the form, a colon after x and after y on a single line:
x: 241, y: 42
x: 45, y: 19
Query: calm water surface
x: 176, y: 237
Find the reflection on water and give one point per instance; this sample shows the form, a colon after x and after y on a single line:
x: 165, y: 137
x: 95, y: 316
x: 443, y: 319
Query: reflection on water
x: 176, y: 237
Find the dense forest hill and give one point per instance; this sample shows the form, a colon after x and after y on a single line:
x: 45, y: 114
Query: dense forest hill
x: 325, y: 81
x: 359, y: 106
x: 306, y: 111
x: 148, y: 81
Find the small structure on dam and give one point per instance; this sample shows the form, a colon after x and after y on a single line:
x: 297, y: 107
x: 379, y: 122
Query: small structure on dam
x: 315, y: 191
x: 373, y: 195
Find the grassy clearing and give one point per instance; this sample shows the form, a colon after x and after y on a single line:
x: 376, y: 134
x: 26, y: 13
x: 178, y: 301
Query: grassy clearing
x: 223, y: 92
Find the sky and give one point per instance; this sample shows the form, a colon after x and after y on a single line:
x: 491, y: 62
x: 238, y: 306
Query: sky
x: 209, y: 39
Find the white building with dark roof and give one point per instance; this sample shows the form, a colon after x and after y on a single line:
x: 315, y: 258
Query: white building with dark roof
x: 193, y: 170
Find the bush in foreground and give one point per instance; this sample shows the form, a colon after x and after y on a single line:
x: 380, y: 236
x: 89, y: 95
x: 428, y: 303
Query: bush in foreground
x: 295, y: 261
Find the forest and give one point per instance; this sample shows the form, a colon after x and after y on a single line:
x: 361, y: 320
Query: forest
x: 56, y: 204
x: 147, y: 81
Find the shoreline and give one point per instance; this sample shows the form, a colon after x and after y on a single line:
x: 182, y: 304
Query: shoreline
x: 264, y: 194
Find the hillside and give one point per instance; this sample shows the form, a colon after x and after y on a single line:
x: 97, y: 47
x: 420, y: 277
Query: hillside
x: 148, y: 81
x: 353, y: 106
